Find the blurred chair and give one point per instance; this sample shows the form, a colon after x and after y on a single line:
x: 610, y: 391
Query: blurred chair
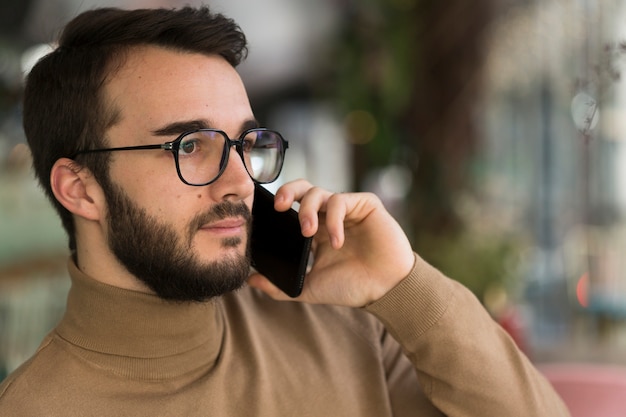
x: 589, y: 390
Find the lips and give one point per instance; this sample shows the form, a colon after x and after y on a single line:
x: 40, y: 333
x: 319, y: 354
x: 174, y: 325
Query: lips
x: 226, y: 226
x: 223, y: 220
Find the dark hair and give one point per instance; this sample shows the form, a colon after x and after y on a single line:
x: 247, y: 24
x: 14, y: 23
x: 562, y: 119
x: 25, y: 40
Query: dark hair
x: 64, y: 108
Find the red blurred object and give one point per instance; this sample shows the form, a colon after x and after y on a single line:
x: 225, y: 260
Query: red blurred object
x: 589, y: 390
x: 582, y: 290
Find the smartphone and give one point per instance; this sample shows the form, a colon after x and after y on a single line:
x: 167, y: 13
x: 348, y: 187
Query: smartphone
x: 278, y: 249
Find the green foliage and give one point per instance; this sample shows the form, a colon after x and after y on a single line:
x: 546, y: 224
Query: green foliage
x: 476, y: 260
x: 374, y: 69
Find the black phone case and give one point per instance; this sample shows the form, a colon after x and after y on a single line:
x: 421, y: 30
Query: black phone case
x: 278, y: 249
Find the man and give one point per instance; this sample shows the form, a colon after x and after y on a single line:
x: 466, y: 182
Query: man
x: 141, y: 134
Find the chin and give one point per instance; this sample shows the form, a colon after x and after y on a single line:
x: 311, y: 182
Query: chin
x: 231, y: 248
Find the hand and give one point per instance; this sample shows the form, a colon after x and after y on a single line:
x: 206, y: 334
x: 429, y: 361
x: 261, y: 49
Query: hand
x: 360, y: 252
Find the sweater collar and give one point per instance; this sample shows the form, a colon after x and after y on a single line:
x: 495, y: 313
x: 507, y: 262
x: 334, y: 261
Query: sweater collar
x: 138, y: 334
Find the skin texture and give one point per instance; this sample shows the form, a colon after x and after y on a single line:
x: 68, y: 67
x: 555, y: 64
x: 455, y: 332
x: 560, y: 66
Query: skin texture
x: 360, y: 251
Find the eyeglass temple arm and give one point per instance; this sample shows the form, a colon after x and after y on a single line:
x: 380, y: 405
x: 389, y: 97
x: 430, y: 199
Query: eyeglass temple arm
x: 166, y: 146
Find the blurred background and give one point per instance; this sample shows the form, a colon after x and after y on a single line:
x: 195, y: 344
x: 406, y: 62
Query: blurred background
x: 493, y: 130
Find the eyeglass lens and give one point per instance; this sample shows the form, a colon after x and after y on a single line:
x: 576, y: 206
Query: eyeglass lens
x: 203, y: 154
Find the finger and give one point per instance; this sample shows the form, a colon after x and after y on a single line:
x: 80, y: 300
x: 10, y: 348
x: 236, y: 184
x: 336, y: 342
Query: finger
x: 312, y: 201
x: 312, y: 206
x: 336, y: 208
x: 289, y: 193
x: 346, y: 210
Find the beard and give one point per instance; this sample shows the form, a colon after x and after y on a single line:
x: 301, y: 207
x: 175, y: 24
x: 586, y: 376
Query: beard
x: 153, y: 252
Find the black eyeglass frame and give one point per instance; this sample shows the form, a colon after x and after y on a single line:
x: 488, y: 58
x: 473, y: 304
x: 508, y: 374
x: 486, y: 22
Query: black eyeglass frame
x: 174, y: 147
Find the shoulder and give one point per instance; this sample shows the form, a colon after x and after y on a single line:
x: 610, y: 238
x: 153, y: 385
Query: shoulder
x: 253, y: 306
x: 22, y: 388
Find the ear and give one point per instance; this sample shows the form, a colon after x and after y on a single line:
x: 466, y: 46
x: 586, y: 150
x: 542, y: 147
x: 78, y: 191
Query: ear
x: 76, y: 189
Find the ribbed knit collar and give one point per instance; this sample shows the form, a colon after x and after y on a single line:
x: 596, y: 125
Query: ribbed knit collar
x: 139, y: 335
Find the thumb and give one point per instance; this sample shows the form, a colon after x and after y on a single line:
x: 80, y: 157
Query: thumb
x: 260, y: 282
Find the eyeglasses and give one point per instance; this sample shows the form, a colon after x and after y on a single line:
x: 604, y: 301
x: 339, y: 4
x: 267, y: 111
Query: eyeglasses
x: 201, y: 155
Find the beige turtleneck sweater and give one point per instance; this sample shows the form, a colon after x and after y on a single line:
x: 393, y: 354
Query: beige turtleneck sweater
x: 427, y: 348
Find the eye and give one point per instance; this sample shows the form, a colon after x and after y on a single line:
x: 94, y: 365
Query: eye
x: 188, y: 146
x: 248, y: 143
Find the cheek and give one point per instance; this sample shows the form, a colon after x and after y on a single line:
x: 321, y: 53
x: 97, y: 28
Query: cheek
x: 155, y: 187
x: 149, y: 172
x: 249, y: 201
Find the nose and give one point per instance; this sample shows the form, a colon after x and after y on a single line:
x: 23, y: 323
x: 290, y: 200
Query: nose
x: 235, y: 182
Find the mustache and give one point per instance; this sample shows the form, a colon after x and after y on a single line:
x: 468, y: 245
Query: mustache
x: 220, y: 211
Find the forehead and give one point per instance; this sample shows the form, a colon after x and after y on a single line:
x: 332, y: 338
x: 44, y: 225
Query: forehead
x: 155, y: 86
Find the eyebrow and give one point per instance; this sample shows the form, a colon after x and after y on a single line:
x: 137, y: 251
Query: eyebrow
x: 180, y: 127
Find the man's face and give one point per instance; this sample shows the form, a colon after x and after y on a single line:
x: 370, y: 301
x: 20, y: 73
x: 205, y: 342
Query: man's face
x: 182, y: 242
